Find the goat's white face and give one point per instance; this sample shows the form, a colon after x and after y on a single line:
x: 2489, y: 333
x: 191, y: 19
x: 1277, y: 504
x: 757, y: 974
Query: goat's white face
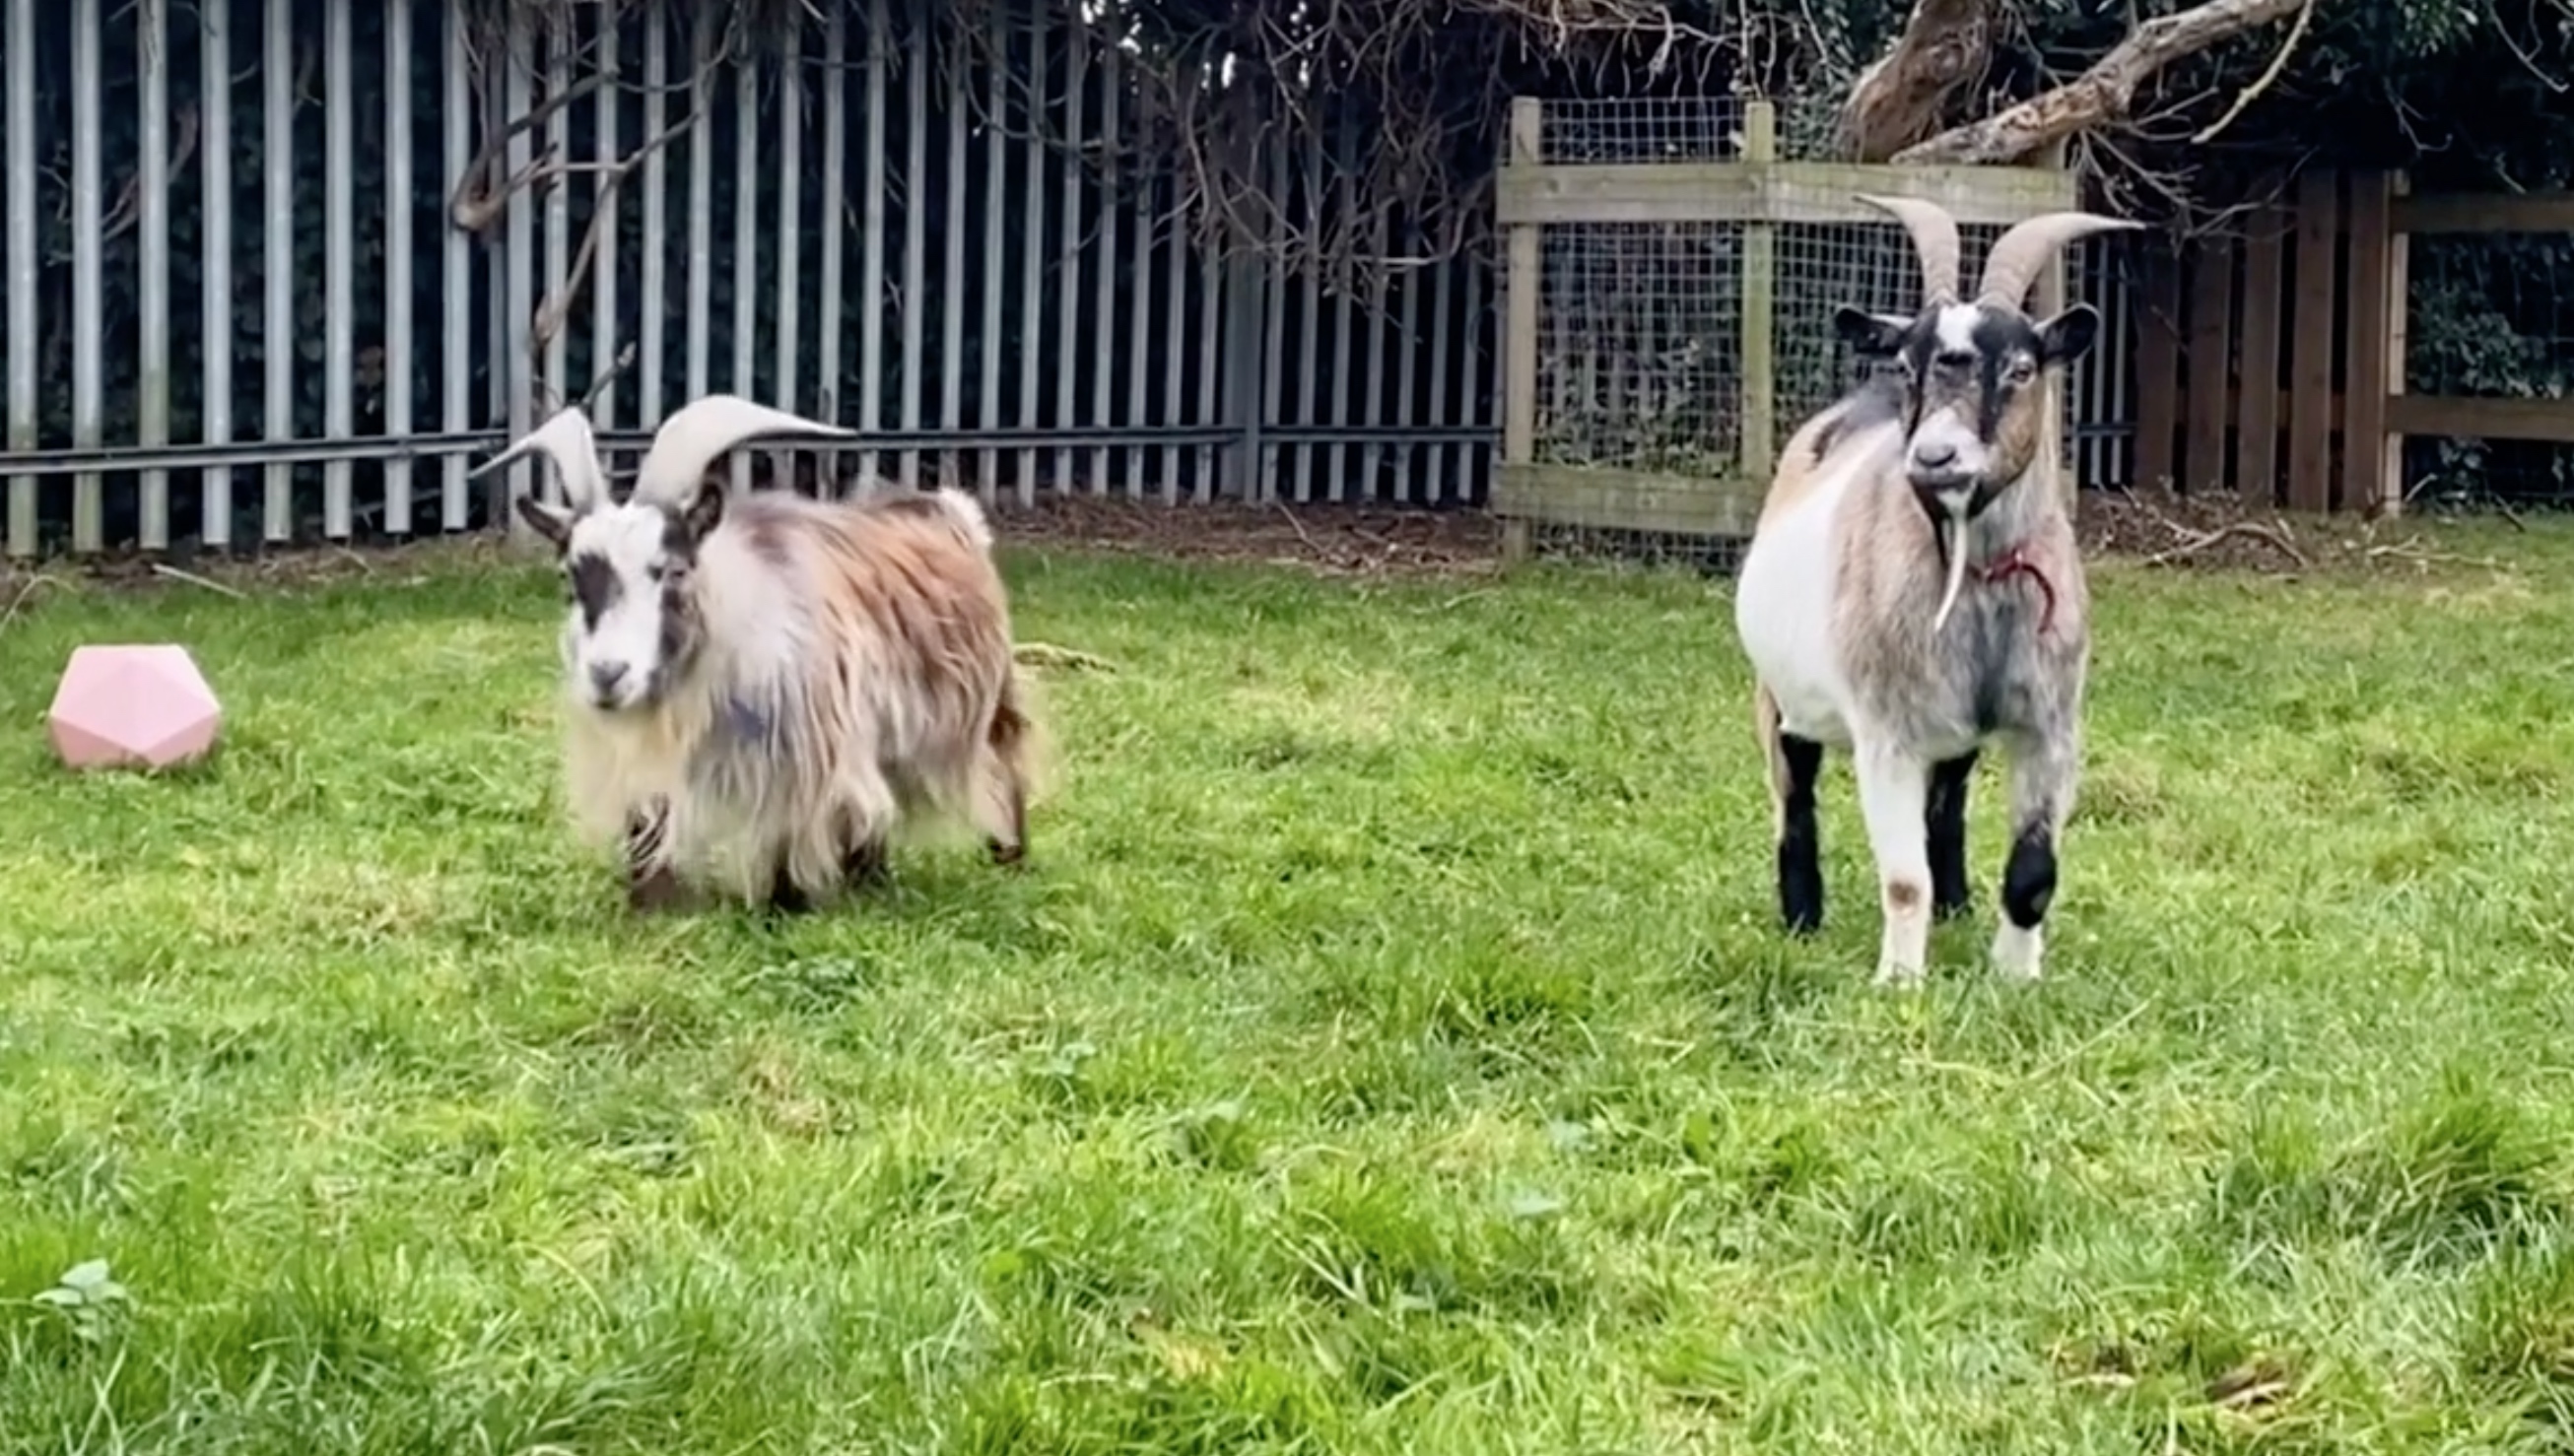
x: 636, y: 627
x: 1971, y: 401
x: 633, y: 626
x: 1973, y: 409
x: 1972, y: 406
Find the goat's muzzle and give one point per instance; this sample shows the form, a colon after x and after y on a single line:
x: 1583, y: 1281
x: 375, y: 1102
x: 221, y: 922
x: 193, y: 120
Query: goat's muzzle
x: 619, y: 701
x: 1944, y: 497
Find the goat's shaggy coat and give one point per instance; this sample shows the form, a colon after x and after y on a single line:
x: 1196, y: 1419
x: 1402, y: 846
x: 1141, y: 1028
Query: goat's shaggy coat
x: 1913, y: 592
x: 761, y: 691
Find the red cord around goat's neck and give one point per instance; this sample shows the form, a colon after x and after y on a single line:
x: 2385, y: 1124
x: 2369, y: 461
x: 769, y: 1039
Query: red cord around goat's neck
x: 2017, y: 562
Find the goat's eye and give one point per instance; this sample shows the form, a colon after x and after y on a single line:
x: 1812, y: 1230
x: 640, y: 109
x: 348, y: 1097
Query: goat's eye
x: 2022, y: 371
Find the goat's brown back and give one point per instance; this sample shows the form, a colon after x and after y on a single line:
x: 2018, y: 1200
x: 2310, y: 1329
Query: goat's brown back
x: 903, y: 574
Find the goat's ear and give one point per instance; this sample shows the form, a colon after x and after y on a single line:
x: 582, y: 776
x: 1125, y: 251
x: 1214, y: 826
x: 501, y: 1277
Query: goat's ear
x: 2069, y: 334
x: 553, y: 525
x: 1870, y: 335
x: 705, y: 508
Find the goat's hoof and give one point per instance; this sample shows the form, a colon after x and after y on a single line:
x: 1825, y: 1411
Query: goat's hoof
x: 1952, y: 909
x: 2018, y: 952
x: 865, y: 866
x: 1894, y: 974
x: 658, y: 890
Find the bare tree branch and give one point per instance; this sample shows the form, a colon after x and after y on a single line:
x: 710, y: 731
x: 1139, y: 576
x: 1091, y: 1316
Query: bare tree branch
x: 2268, y: 78
x: 2101, y: 95
x: 1901, y: 96
x: 129, y: 203
x: 556, y: 305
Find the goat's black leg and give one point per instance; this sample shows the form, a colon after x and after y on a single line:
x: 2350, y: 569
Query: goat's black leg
x: 862, y: 862
x: 785, y: 897
x: 1795, y: 764
x: 1801, y: 869
x: 2028, y: 876
x: 2041, y: 793
x: 650, y: 883
x: 1951, y: 893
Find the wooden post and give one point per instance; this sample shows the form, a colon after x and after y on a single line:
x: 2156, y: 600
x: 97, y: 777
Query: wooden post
x: 2257, y: 411
x: 2399, y: 313
x: 2364, y: 392
x: 2205, y: 357
x: 2158, y: 325
x: 2310, y: 413
x: 1519, y: 320
x: 1757, y: 416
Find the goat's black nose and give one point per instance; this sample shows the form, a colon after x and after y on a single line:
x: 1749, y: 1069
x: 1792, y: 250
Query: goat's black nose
x: 606, y: 676
x: 1931, y: 456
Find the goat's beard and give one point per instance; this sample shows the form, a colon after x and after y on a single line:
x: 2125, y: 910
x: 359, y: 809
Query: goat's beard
x: 1951, y: 527
x: 1950, y: 520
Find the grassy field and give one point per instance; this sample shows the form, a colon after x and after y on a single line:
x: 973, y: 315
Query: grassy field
x: 1388, y: 1051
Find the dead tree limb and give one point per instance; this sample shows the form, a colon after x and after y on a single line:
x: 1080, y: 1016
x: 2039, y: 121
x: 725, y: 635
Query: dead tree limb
x: 2101, y: 95
x: 2263, y: 82
x: 1901, y: 96
x: 479, y: 198
x: 2252, y: 529
x: 129, y: 203
x: 625, y: 360
x: 556, y: 305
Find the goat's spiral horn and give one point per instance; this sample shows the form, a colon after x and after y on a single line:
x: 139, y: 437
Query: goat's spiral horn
x: 1935, y: 237
x: 2018, y: 254
x: 697, y: 432
x: 566, y: 440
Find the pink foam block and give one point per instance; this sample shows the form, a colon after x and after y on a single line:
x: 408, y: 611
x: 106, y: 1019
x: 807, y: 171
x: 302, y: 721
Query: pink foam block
x: 133, y: 706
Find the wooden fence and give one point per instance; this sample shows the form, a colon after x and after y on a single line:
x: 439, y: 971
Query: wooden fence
x: 1669, y: 307
x: 2271, y: 362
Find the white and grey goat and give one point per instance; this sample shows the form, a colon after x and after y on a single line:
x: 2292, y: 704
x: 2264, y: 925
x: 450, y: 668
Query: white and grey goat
x: 760, y: 690
x: 1913, y: 593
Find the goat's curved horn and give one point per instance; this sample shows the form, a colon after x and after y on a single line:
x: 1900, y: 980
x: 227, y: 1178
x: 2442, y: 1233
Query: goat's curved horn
x: 2018, y: 254
x: 698, y: 431
x: 1935, y: 237
x: 564, y: 438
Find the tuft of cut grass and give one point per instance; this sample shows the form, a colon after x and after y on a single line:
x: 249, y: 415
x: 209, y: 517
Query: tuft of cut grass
x: 1389, y: 1049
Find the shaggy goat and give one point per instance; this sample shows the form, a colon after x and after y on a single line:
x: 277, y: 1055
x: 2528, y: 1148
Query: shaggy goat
x: 1852, y: 600
x: 760, y: 690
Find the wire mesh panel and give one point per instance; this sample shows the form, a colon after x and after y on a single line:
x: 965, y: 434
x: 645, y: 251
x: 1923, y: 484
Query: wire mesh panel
x: 1638, y: 363
x: 1638, y: 391
x: 1618, y: 130
x: 1673, y: 283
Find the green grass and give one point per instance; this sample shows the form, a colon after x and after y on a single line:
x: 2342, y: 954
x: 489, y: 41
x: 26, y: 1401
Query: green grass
x: 1390, y: 1050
